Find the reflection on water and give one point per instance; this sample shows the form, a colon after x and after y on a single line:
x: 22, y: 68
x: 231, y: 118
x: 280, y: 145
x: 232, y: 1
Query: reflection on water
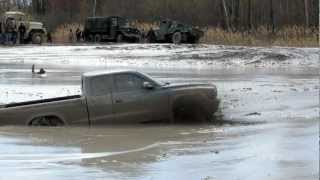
x: 88, y: 151
x: 158, y: 152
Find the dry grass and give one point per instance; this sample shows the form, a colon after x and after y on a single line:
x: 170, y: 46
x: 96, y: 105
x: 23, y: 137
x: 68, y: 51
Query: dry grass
x: 287, y: 36
x: 61, y: 33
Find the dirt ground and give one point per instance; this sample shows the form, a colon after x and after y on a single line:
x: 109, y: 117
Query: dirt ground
x: 269, y: 127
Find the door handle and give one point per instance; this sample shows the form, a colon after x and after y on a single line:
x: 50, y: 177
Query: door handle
x: 118, y: 101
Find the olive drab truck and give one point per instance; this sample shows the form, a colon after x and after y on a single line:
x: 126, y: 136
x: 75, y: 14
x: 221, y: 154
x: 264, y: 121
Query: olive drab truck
x: 110, y: 29
x: 170, y: 31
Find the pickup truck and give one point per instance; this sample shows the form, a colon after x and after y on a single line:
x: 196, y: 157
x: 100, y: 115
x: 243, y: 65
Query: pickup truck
x: 113, y: 97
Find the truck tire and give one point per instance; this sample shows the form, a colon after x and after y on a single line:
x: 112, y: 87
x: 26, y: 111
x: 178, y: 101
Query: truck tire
x: 37, y: 38
x: 119, y: 38
x: 176, y: 38
x: 189, y: 111
x: 91, y: 38
x: 97, y: 38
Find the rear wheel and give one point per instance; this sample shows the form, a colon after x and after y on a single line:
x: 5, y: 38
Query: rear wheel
x: 120, y: 38
x: 97, y: 38
x: 91, y: 38
x: 177, y: 38
x: 46, y: 121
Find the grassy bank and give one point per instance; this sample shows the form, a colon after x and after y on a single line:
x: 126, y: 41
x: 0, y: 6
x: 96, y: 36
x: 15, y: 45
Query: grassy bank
x: 287, y: 36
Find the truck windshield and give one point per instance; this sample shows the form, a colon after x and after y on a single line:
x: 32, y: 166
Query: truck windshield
x: 158, y: 83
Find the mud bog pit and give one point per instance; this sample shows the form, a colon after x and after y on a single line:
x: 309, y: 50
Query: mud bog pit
x: 269, y: 97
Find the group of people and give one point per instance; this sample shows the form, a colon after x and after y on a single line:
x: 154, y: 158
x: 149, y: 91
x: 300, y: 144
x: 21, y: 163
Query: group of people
x: 10, y: 34
x: 78, y: 36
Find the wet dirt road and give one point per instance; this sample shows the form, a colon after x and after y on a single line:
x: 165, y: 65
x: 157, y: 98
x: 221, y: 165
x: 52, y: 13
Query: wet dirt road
x: 271, y: 96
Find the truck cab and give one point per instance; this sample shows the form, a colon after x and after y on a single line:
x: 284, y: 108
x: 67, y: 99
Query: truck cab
x: 124, y: 96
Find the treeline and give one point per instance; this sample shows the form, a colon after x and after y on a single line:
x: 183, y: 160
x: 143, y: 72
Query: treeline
x: 235, y: 15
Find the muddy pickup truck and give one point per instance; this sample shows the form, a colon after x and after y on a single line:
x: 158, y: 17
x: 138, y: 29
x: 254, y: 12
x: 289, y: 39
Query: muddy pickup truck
x: 112, y: 97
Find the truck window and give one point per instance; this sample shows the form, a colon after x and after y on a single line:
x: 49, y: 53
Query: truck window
x: 128, y: 82
x: 101, y: 85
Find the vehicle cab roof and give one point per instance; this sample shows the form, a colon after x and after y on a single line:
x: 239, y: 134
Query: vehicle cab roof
x: 106, y: 72
x: 14, y: 13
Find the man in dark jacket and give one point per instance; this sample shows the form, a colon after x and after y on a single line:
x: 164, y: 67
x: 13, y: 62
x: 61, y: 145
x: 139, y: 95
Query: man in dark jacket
x: 78, y: 35
x: 1, y: 34
x: 22, y: 31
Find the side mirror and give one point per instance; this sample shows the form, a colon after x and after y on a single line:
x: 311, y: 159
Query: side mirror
x: 147, y: 85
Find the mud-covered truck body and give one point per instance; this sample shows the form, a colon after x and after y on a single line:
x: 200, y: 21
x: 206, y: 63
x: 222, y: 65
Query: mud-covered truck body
x: 174, y: 32
x: 117, y: 97
x: 114, y: 28
x: 35, y: 31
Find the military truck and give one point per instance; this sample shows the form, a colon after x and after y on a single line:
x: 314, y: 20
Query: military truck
x: 110, y: 29
x: 35, y: 31
x: 170, y: 31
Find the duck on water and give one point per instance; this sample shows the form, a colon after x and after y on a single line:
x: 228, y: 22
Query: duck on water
x: 41, y: 72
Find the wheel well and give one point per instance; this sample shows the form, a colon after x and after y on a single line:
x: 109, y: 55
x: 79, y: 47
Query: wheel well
x: 35, y: 31
x: 50, y: 117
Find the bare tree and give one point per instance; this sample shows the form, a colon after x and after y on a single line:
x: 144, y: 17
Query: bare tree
x: 94, y: 8
x: 306, y: 12
x: 272, y: 16
x: 249, y: 15
x: 231, y: 14
x: 226, y: 14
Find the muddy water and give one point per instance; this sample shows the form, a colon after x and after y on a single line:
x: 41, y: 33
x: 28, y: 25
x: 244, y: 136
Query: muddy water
x: 270, y: 108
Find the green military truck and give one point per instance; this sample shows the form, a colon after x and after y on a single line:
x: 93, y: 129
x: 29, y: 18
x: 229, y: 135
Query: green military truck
x: 171, y: 31
x: 110, y: 29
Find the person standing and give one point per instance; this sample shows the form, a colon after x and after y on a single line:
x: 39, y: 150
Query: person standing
x: 1, y: 34
x: 78, y: 35
x: 10, y: 31
x: 49, y: 37
x: 22, y: 31
x: 71, y: 36
x: 7, y: 31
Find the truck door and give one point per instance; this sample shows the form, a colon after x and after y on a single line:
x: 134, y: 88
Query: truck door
x: 99, y: 99
x: 164, y: 27
x: 132, y: 103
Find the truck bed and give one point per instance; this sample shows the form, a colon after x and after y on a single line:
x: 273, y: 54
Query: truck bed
x: 40, y: 101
